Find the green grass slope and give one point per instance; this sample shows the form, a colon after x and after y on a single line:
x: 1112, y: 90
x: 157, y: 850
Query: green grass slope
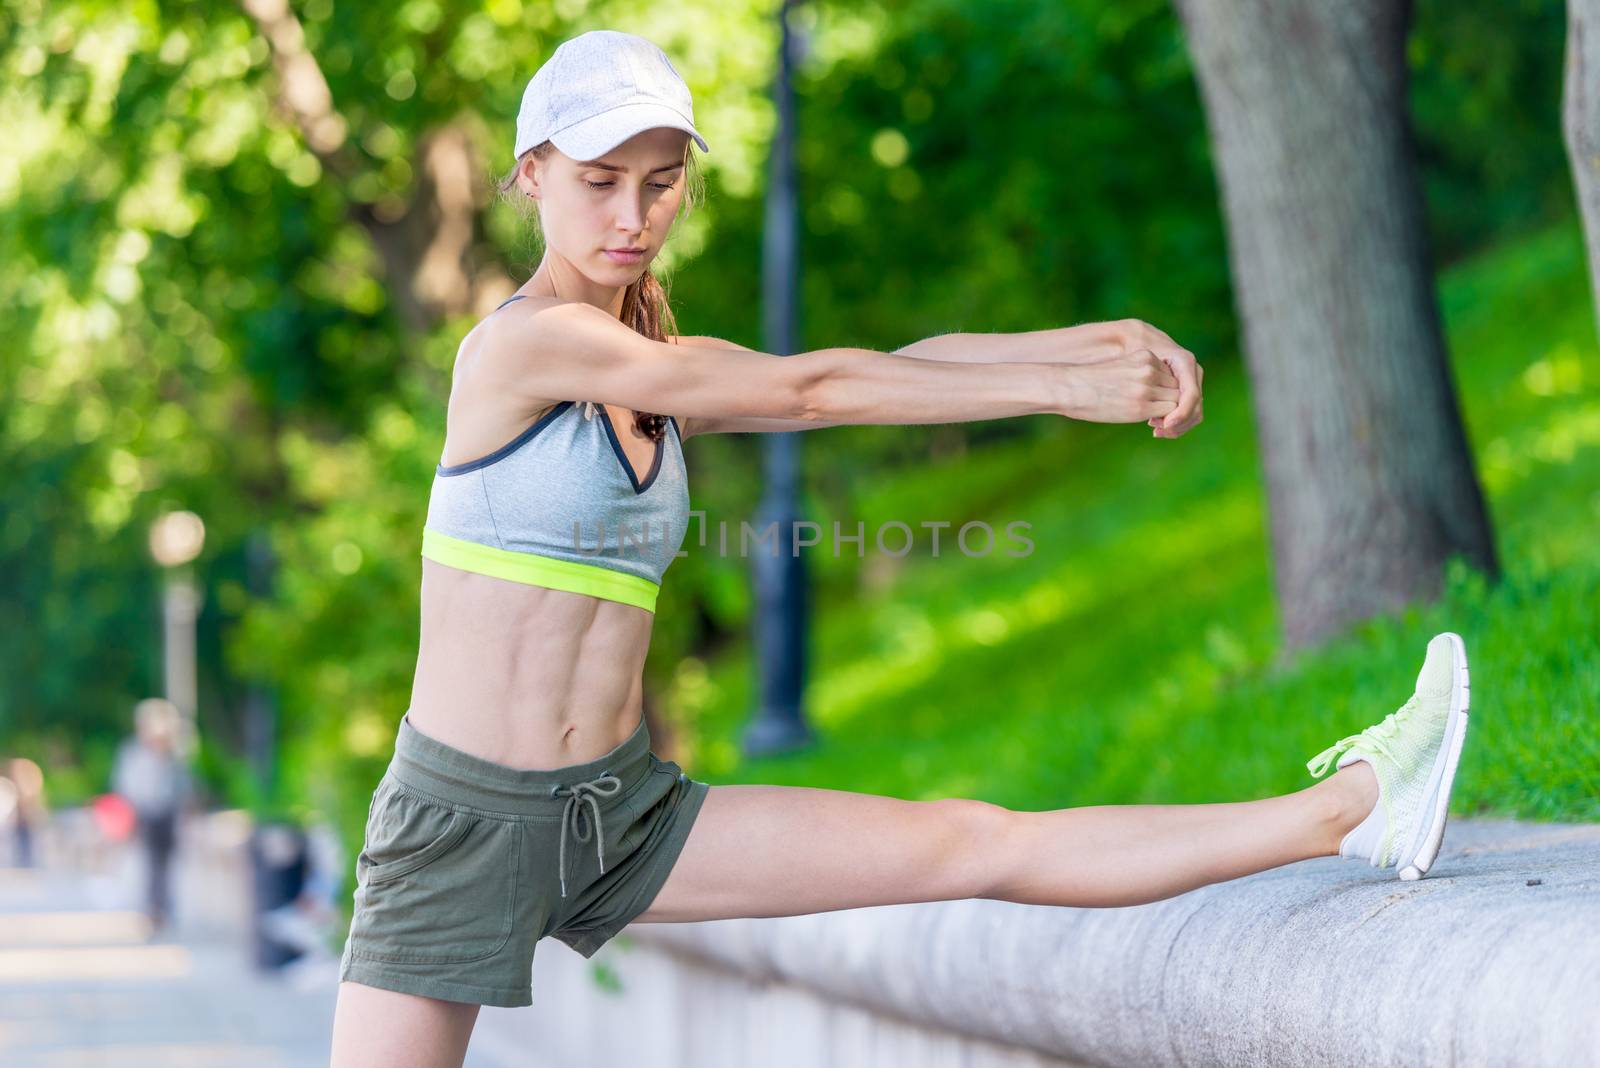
x: 1130, y: 657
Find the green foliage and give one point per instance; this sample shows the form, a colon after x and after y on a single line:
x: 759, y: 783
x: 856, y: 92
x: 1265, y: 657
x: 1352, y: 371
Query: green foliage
x: 1001, y: 166
x: 198, y: 317
x: 1132, y: 658
x: 1486, y: 107
x: 153, y: 255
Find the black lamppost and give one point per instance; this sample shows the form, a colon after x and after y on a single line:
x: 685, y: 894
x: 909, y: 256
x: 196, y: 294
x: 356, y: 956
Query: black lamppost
x: 780, y: 583
x: 260, y: 704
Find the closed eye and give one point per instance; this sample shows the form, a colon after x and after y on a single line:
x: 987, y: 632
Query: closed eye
x: 608, y: 185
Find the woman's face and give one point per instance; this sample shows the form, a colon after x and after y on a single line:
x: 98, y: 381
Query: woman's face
x: 626, y: 199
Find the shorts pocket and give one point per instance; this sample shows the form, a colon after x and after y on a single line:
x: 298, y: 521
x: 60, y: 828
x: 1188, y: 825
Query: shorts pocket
x: 454, y: 831
x: 403, y: 833
x: 433, y: 884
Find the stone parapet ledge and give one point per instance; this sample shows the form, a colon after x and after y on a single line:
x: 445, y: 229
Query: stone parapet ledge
x: 1492, y: 959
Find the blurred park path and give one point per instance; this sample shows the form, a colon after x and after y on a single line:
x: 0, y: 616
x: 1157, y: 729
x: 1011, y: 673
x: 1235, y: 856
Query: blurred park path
x: 84, y: 983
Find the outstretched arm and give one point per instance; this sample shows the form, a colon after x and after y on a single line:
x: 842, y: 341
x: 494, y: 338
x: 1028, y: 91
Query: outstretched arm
x: 573, y: 349
x: 834, y: 413
x: 1082, y: 344
x: 1068, y: 345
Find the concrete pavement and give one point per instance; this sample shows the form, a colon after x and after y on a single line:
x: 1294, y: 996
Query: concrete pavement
x: 83, y: 984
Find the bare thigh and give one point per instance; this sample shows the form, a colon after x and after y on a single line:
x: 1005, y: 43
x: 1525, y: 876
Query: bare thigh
x: 376, y: 1028
x: 791, y: 850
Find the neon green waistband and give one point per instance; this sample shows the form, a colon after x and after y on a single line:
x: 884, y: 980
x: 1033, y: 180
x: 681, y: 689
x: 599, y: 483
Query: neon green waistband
x: 535, y: 570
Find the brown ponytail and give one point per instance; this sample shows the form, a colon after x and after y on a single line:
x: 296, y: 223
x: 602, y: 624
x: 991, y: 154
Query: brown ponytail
x: 645, y: 308
x: 645, y: 304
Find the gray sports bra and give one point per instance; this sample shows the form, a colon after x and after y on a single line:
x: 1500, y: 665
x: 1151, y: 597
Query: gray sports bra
x: 560, y: 506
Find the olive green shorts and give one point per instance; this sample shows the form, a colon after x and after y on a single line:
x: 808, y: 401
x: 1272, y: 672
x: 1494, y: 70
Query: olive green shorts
x: 467, y: 863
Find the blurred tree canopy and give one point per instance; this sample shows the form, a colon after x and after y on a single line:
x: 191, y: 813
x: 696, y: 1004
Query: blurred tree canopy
x: 239, y: 245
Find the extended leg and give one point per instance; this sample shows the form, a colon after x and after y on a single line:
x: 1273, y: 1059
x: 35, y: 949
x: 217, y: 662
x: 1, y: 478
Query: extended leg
x: 784, y: 851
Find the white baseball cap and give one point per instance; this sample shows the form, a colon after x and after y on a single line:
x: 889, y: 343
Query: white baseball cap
x: 597, y: 90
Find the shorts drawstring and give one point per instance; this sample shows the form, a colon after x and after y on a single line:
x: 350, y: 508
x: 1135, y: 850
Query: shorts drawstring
x: 583, y: 824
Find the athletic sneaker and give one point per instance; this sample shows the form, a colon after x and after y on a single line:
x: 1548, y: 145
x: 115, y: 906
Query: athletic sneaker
x: 1413, y: 753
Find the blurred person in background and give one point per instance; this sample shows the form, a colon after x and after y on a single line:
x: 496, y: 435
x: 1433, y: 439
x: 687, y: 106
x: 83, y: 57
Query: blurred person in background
x: 151, y: 776
x: 306, y: 923
x: 10, y: 820
x: 22, y: 806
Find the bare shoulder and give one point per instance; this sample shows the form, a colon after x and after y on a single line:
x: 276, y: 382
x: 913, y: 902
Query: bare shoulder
x: 496, y: 332
x: 489, y: 401
x: 505, y: 332
x: 493, y: 357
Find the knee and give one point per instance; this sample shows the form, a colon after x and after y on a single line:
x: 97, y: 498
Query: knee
x: 978, y: 843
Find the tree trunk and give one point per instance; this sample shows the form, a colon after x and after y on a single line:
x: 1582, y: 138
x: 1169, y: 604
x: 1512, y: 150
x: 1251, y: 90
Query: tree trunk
x: 1580, y: 123
x: 1370, y: 482
x: 427, y: 244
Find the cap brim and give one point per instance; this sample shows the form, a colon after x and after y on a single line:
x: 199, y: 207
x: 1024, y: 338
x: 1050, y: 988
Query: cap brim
x: 599, y: 134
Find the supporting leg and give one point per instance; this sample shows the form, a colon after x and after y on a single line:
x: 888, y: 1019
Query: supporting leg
x: 375, y: 1028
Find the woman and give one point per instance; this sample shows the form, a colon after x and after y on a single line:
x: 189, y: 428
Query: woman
x: 150, y: 773
x: 523, y: 799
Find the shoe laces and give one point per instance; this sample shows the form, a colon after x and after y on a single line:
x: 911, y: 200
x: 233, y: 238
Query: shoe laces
x: 1374, y: 739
